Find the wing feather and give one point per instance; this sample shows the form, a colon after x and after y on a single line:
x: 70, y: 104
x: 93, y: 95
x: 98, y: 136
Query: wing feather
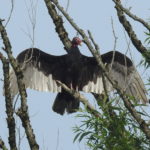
x: 121, y: 70
x: 40, y: 71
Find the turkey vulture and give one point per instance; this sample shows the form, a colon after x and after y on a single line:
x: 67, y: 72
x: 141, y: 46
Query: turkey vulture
x: 41, y: 72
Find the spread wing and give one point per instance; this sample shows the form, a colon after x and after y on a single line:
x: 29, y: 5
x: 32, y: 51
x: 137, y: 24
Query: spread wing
x: 120, y: 68
x: 40, y: 71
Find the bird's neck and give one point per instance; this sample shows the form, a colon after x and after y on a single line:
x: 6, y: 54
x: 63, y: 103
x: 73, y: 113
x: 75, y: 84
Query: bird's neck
x: 75, y: 50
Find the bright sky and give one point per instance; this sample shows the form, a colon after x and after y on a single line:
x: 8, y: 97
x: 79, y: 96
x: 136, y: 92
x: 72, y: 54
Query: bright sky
x: 52, y: 130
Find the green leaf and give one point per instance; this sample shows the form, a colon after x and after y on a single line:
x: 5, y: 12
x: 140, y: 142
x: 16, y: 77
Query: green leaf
x: 83, y: 135
x: 75, y: 138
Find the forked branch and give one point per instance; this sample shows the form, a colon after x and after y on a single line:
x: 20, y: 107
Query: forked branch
x: 128, y: 27
x: 133, y: 16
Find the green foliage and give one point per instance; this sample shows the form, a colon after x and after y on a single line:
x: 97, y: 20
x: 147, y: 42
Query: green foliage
x: 146, y: 55
x: 114, y: 130
x: 146, y: 61
x: 147, y: 40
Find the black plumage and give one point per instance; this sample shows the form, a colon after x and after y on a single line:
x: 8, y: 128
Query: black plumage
x: 79, y: 72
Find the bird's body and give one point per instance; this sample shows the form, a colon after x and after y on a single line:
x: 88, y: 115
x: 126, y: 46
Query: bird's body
x: 41, y: 72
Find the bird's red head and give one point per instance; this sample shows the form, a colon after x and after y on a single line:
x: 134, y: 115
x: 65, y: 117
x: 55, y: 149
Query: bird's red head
x: 76, y: 41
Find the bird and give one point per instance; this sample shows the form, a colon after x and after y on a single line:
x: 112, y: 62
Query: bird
x: 41, y: 71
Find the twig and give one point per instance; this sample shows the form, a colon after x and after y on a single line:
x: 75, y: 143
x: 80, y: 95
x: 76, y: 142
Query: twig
x: 136, y: 18
x: 68, y: 3
x: 114, y: 34
x: 57, y: 144
x: 23, y: 111
x: 92, y: 39
x: 11, y: 11
x: 144, y: 127
x: 2, y: 145
x: 32, y: 11
x: 15, y: 101
x: 81, y: 98
x: 115, y: 44
x: 9, y: 106
x: 20, y: 138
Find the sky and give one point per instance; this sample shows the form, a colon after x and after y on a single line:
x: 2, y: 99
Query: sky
x: 52, y: 130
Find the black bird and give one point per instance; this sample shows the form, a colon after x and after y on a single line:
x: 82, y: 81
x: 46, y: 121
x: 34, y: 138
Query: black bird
x: 79, y: 72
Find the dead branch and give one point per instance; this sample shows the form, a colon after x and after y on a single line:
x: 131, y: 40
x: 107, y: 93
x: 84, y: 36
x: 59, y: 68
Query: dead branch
x: 32, y: 12
x: 81, y: 98
x: 92, y: 39
x: 23, y: 111
x: 128, y: 27
x: 68, y: 3
x: 133, y: 16
x: 11, y: 11
x: 9, y: 106
x: 114, y: 35
x: 144, y: 127
x: 57, y: 20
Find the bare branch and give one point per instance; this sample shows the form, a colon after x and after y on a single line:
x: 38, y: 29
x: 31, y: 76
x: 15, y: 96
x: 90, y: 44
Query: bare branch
x: 57, y: 140
x: 128, y: 27
x: 92, y: 39
x: 23, y: 111
x: 9, y: 106
x: 114, y: 34
x: 11, y: 11
x: 115, y: 43
x: 57, y: 19
x: 28, y: 129
x: 68, y: 3
x: 80, y: 97
x: 32, y: 11
x: 136, y: 18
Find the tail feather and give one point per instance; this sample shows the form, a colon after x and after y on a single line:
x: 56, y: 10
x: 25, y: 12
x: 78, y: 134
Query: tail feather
x: 65, y: 102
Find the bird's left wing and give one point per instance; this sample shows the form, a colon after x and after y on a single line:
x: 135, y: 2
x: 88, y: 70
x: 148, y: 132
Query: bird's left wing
x: 120, y: 69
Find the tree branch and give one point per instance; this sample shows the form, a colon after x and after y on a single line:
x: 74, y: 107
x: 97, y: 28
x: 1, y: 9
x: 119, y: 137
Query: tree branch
x: 9, y: 106
x: 134, y: 17
x: 114, y: 35
x: 126, y: 100
x: 11, y: 11
x: 81, y: 98
x: 128, y: 27
x: 57, y: 20
x: 92, y: 39
x: 24, y: 108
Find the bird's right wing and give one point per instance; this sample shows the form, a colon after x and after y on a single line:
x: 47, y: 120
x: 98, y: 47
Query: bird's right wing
x: 40, y: 71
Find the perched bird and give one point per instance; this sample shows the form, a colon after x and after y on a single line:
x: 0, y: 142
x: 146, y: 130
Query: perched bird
x: 41, y: 72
